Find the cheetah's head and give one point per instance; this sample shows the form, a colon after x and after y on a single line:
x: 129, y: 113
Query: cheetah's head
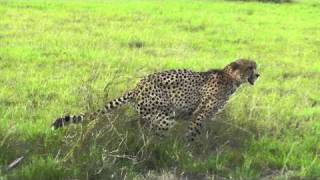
x: 243, y: 71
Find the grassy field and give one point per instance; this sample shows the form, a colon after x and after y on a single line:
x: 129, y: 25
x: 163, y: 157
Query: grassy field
x: 59, y: 57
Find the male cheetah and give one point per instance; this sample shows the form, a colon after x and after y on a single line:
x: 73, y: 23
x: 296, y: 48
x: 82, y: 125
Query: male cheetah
x: 162, y: 96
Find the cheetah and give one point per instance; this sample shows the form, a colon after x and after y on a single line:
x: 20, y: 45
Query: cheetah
x: 161, y: 97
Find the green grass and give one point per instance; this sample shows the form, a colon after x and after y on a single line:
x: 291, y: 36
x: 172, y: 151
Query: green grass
x: 60, y: 57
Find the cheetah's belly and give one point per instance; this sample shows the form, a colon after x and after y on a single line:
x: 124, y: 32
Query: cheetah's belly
x: 185, y: 103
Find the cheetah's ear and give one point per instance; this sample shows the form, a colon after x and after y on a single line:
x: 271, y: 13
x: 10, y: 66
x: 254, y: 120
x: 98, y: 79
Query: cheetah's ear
x: 234, y: 65
x: 234, y: 70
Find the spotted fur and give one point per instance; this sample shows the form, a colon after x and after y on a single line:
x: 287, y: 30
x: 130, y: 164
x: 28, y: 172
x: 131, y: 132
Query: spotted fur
x: 160, y: 97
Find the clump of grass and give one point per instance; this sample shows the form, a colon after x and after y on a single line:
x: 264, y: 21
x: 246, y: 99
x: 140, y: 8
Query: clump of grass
x: 41, y: 168
x: 121, y: 147
x: 136, y: 44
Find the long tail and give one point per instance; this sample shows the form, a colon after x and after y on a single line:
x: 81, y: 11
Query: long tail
x: 68, y: 119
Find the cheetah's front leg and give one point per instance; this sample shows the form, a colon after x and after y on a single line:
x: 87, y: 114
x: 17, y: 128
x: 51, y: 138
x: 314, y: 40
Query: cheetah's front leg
x: 161, y: 122
x: 204, y: 111
x: 196, y: 126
